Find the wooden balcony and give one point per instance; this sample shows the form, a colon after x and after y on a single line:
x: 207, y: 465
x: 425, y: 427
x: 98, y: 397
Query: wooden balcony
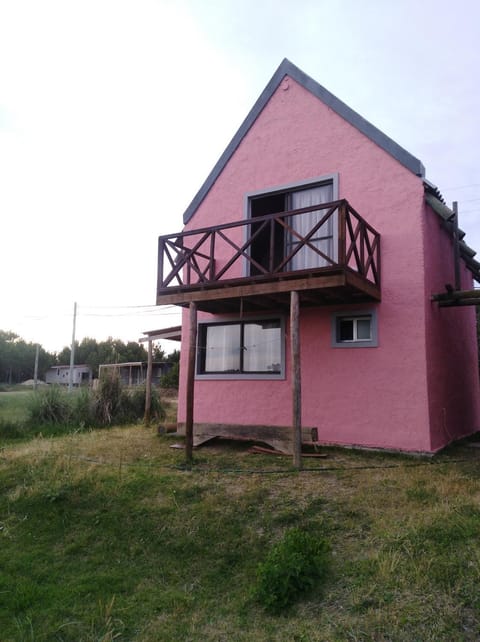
x: 327, y: 252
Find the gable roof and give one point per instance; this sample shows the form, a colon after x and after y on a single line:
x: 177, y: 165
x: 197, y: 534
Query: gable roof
x: 348, y: 114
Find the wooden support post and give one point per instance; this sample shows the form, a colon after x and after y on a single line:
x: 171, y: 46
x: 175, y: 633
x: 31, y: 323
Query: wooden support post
x: 342, y: 233
x: 296, y: 379
x: 192, y: 343
x: 148, y: 385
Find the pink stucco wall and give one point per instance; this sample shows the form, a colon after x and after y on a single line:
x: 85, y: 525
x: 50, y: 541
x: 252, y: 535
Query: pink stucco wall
x: 453, y: 382
x: 372, y: 396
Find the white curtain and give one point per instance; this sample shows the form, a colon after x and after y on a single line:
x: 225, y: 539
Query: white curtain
x: 262, y: 347
x: 323, y: 238
x: 222, y: 348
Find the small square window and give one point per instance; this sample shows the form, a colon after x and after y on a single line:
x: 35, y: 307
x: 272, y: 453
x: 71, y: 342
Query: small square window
x: 354, y: 330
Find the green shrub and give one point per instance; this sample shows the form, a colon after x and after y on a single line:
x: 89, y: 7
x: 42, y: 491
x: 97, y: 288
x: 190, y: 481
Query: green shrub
x: 108, y: 399
x: 84, y: 409
x: 134, y: 404
x: 170, y: 379
x: 49, y: 406
x: 118, y: 405
x: 292, y: 567
x: 57, y: 410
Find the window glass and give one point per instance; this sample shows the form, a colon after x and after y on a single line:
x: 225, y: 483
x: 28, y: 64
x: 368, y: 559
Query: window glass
x: 249, y: 347
x: 222, y: 348
x: 345, y: 330
x: 262, y: 347
x: 363, y: 329
x: 355, y: 331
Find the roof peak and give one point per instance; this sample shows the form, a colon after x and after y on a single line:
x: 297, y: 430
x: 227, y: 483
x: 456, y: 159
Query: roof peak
x: 287, y: 68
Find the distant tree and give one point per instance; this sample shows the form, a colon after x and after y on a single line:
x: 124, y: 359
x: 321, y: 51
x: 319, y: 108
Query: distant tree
x: 94, y: 353
x: 157, y: 353
x: 171, y: 378
x: 173, y: 357
x: 17, y: 359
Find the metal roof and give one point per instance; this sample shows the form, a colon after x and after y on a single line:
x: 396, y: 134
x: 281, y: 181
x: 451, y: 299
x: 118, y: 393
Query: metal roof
x: 174, y: 334
x: 432, y: 197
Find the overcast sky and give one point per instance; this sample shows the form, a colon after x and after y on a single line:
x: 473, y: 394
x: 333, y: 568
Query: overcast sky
x: 113, y: 112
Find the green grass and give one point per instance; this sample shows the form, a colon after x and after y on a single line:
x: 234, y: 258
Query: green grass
x: 13, y: 405
x: 54, y: 411
x: 106, y: 535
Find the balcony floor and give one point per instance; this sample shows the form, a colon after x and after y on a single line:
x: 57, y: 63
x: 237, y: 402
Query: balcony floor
x: 323, y: 286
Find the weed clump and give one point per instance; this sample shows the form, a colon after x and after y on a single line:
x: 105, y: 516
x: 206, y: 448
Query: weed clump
x: 115, y: 404
x: 50, y: 406
x: 110, y: 404
x: 292, y: 568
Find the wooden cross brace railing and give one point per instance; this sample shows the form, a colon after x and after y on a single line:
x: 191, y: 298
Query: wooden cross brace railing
x: 191, y: 257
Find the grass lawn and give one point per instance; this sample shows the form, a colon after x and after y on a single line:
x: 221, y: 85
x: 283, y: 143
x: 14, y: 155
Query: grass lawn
x: 105, y: 535
x: 12, y: 405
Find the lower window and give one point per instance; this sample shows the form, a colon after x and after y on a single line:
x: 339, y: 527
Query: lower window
x: 358, y: 330
x: 240, y: 348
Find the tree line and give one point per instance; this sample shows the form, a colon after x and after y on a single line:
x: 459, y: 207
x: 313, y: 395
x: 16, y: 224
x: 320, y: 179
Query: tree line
x: 17, y: 357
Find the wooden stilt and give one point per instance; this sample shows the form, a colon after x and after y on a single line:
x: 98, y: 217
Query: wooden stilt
x: 192, y: 343
x: 296, y: 379
x: 148, y: 386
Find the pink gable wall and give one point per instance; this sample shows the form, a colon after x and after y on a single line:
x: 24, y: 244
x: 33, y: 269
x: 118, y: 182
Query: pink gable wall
x: 370, y: 396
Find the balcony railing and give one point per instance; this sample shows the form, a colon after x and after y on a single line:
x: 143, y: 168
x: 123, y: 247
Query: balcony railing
x: 316, y: 239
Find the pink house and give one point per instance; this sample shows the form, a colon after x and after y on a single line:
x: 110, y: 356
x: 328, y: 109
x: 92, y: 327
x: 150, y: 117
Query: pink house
x: 313, y: 254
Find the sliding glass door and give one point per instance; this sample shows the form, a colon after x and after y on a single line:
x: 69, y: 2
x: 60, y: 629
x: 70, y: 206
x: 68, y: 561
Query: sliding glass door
x: 323, y: 239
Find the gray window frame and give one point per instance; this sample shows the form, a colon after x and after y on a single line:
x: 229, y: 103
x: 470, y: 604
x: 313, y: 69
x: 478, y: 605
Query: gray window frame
x: 237, y: 375
x: 355, y: 314
x: 332, y: 178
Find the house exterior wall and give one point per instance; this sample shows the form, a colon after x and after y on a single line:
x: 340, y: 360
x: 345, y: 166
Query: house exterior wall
x: 60, y: 375
x: 453, y: 381
x: 370, y: 396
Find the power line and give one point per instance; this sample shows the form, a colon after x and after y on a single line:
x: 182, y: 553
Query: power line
x: 463, y: 186
x: 125, y: 307
x: 145, y: 314
x: 155, y: 312
x: 471, y: 200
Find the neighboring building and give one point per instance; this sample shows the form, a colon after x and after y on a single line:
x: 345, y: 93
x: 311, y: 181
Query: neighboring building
x: 298, y: 203
x: 82, y: 375
x: 134, y: 373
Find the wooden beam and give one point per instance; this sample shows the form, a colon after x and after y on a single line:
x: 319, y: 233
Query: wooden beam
x: 362, y: 285
x: 148, y: 385
x: 222, y: 290
x: 296, y: 378
x: 456, y: 295
x: 456, y: 303
x: 192, y: 344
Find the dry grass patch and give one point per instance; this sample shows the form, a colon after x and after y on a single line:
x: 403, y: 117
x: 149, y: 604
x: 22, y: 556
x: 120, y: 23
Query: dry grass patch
x: 106, y: 533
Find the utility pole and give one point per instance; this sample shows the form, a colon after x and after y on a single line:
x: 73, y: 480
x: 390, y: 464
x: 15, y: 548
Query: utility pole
x: 72, y: 351
x: 35, y: 371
